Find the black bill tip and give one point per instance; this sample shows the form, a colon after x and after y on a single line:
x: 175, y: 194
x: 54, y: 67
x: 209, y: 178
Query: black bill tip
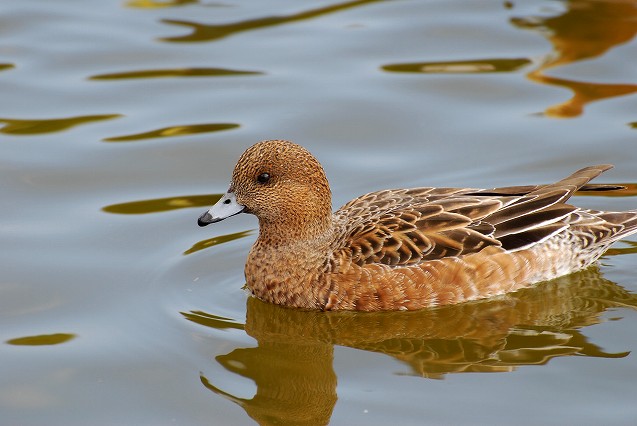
x: 205, y: 219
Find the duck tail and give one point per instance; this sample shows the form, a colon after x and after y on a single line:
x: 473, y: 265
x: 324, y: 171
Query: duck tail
x: 573, y: 182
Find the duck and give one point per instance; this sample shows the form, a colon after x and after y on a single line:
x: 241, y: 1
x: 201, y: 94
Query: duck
x: 406, y: 249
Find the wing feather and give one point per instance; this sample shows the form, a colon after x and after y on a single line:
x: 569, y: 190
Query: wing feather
x: 408, y: 226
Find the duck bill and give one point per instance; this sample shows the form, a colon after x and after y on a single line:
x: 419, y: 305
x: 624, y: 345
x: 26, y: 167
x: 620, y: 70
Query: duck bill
x: 226, y: 206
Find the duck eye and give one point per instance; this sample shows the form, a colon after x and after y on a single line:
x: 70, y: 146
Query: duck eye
x: 263, y: 178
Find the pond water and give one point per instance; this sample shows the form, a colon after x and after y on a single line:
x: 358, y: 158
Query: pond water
x: 120, y: 122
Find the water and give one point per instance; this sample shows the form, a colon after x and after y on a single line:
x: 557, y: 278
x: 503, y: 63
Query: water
x: 121, y: 120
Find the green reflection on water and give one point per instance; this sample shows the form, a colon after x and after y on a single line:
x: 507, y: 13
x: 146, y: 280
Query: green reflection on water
x: 292, y: 365
x: 168, y: 132
x: 33, y: 127
x: 457, y: 67
x: 4, y: 67
x: 42, y: 339
x: 171, y: 73
x: 217, y: 240
x: 158, y: 205
x: 203, y: 32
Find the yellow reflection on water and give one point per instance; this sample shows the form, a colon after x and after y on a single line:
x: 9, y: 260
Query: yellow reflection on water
x: 175, y: 72
x: 158, y: 205
x: 172, y: 131
x: 158, y: 4
x: 32, y: 127
x: 464, y: 67
x: 585, y: 30
x: 203, y: 32
x: 42, y: 339
x: 292, y: 365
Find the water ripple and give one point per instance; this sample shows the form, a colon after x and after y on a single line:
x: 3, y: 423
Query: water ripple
x: 204, y: 32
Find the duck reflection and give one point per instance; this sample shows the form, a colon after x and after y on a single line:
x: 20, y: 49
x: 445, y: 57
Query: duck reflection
x: 292, y: 366
x: 587, y: 29
x: 296, y: 383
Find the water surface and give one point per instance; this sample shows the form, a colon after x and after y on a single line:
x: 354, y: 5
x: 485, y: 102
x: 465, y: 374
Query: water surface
x: 121, y: 121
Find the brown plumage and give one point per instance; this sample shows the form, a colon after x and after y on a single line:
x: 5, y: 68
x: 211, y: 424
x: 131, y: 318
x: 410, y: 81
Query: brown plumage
x: 406, y: 248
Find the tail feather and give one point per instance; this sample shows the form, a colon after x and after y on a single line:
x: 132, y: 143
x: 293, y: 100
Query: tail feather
x: 575, y: 181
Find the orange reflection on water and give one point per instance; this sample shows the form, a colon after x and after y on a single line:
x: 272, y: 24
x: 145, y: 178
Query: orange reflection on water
x: 587, y: 29
x: 583, y: 93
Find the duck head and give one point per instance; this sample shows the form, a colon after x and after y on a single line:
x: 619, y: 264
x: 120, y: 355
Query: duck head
x: 283, y: 185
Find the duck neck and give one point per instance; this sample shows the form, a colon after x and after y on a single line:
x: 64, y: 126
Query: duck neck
x: 295, y: 230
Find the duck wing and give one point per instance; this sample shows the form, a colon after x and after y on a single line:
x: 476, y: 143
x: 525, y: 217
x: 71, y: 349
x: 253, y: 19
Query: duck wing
x: 408, y: 226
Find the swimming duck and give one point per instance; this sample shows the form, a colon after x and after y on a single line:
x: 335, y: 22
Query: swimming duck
x: 406, y: 249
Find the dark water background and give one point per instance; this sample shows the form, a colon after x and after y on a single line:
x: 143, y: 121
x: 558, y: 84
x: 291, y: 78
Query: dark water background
x: 121, y: 120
